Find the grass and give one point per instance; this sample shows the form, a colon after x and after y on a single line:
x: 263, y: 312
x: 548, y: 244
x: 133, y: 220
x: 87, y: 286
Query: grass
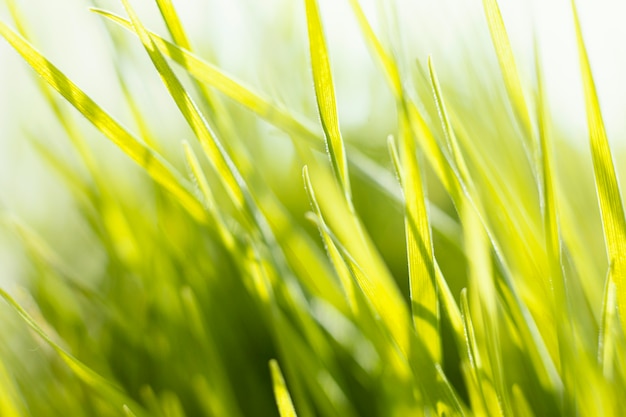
x: 218, y: 288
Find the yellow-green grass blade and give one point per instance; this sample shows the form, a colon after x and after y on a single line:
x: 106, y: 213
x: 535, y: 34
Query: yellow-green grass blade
x: 451, y: 140
x: 389, y: 67
x: 607, y: 340
x: 87, y: 375
x: 607, y: 187
x: 521, y: 404
x: 561, y: 307
x: 215, y: 152
x: 173, y: 23
x: 127, y: 411
x: 508, y: 67
x: 422, y: 280
x: 154, y: 164
x: 325, y: 94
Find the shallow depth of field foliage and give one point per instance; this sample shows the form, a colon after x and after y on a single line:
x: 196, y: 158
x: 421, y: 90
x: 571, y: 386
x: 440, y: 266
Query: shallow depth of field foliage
x: 456, y: 256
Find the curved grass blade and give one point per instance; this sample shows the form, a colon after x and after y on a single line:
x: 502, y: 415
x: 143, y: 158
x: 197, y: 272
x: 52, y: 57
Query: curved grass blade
x: 607, y: 187
x: 325, y: 94
x: 283, y: 399
x: 154, y: 164
x: 422, y: 280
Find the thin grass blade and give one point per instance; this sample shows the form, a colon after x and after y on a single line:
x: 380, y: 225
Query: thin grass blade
x: 508, y: 67
x: 325, y: 94
x: 607, y: 187
x: 283, y: 399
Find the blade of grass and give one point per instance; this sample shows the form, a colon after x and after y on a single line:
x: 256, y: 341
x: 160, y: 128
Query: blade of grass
x: 606, y: 339
x: 508, y: 67
x: 153, y: 163
x: 607, y: 187
x: 325, y: 94
x: 422, y: 280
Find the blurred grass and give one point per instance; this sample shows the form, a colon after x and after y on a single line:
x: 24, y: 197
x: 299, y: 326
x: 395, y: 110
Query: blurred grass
x: 271, y: 265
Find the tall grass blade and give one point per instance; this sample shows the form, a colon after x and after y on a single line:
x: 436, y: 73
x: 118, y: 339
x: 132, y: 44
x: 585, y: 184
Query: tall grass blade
x: 607, y: 187
x: 325, y: 94
x: 508, y: 67
x: 283, y: 399
x: 422, y: 280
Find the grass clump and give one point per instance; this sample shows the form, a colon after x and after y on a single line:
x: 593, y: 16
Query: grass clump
x: 217, y: 287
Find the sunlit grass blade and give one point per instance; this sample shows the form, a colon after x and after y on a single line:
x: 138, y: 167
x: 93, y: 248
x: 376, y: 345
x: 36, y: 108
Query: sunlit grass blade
x: 422, y: 280
x: 128, y: 412
x: 173, y: 23
x: 389, y: 67
x: 508, y: 67
x: 607, y: 187
x: 607, y: 337
x: 451, y: 141
x: 548, y: 184
x: 154, y: 164
x: 325, y: 94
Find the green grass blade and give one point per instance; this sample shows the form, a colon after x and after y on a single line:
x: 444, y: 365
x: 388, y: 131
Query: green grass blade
x: 422, y: 280
x: 325, y: 94
x: 389, y: 67
x: 173, y: 23
x: 283, y: 399
x: 607, y: 336
x: 607, y: 187
x: 506, y: 59
x: 154, y: 164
